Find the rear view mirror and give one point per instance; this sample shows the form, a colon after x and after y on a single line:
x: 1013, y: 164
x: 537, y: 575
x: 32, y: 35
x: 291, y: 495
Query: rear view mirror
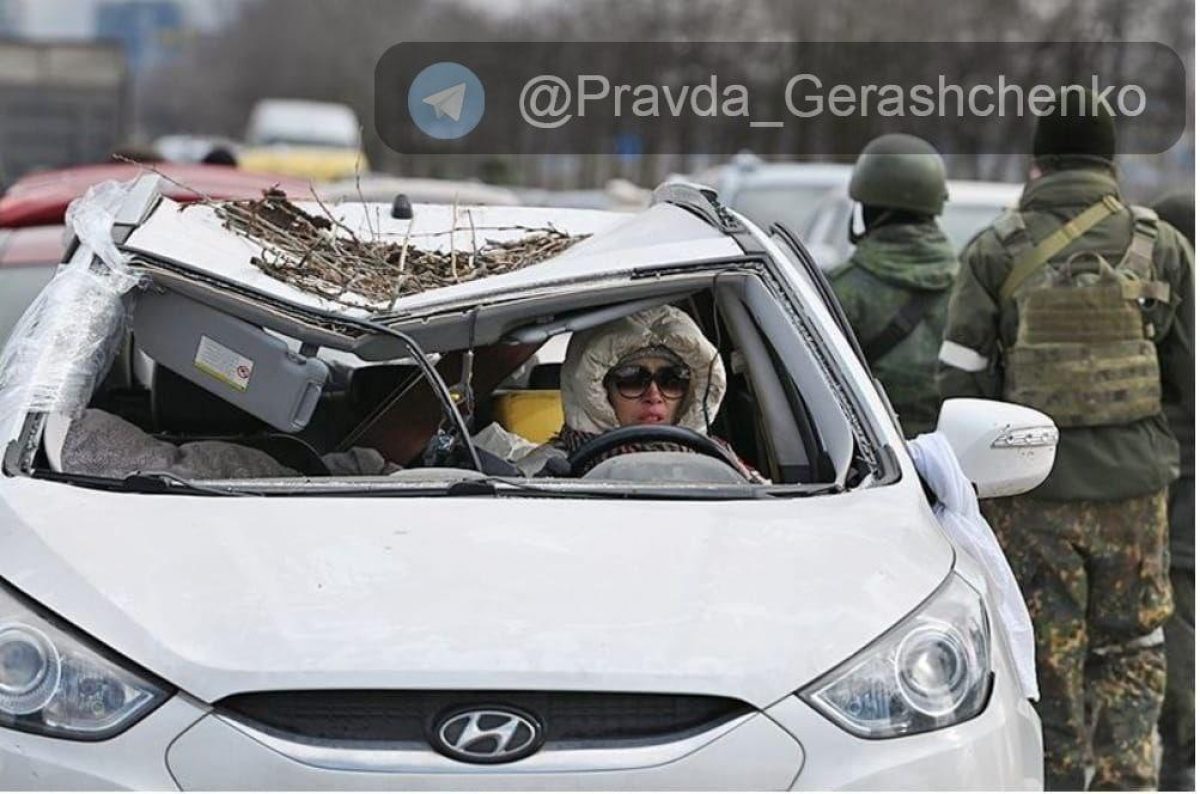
x: 1004, y: 449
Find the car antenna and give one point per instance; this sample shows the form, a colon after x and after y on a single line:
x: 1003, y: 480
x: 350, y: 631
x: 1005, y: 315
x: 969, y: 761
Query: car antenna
x: 402, y: 209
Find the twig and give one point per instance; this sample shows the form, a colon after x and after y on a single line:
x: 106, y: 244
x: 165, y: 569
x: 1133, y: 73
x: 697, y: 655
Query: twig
x: 474, y: 247
x: 149, y: 167
x: 401, y: 276
x: 307, y: 252
x: 453, y: 226
x: 358, y: 188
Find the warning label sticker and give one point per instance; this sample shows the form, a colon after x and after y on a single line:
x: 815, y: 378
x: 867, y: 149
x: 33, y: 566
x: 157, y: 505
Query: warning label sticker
x: 228, y: 366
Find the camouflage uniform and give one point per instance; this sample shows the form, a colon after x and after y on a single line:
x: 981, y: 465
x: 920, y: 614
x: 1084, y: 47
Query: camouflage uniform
x: 1178, y: 723
x: 889, y: 264
x: 1088, y: 545
x: 1093, y: 581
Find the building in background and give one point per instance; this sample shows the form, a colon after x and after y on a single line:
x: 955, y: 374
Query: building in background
x: 60, y: 104
x: 150, y: 31
x: 59, y: 20
x: 10, y: 18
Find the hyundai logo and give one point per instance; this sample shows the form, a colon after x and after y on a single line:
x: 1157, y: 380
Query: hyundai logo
x: 487, y: 735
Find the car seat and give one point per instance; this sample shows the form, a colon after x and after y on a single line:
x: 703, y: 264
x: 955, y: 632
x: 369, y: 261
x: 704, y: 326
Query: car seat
x: 182, y: 412
x: 534, y: 413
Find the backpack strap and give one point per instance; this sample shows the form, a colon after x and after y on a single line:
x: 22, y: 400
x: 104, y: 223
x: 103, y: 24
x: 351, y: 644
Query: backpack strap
x: 1027, y: 263
x: 907, y: 318
x: 1139, y: 257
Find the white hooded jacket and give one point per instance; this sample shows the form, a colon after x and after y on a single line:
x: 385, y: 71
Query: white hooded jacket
x: 592, y: 353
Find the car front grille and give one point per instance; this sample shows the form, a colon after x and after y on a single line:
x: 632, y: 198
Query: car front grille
x: 568, y: 718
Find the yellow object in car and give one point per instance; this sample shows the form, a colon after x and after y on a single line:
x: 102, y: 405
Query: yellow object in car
x: 319, y: 163
x: 534, y: 415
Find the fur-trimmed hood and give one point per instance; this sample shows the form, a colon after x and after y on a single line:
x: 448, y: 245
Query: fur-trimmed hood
x: 592, y: 353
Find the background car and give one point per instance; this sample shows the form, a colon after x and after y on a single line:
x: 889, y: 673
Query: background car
x: 184, y: 148
x: 767, y: 192
x: 302, y: 138
x: 383, y: 188
x: 619, y: 195
x: 32, y: 214
x: 28, y: 257
x: 971, y: 206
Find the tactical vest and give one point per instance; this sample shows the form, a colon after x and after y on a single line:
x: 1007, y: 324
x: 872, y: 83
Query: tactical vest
x: 1084, y: 353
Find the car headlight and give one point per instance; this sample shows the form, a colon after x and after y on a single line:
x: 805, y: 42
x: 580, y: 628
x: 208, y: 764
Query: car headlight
x: 931, y: 670
x: 57, y: 683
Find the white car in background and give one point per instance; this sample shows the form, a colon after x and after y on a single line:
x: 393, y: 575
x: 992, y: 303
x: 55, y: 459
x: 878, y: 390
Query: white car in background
x: 301, y: 122
x: 321, y: 141
x: 383, y: 188
x: 970, y: 206
x: 618, y: 195
x: 658, y: 623
x: 774, y: 192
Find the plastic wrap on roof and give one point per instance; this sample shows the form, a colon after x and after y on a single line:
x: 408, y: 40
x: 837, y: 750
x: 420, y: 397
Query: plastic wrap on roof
x: 65, y: 342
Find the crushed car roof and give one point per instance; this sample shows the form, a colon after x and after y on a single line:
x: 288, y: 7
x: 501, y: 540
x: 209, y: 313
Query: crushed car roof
x: 194, y: 237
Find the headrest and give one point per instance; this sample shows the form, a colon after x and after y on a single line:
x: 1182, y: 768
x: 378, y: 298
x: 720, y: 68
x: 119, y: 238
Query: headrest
x: 54, y: 436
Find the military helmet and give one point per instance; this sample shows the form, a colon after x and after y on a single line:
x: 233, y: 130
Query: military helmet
x: 900, y: 172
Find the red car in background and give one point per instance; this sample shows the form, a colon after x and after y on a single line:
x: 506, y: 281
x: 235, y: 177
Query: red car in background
x: 33, y: 209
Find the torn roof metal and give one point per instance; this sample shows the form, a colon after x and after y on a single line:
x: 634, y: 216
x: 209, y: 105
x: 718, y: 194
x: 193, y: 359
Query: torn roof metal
x: 194, y: 237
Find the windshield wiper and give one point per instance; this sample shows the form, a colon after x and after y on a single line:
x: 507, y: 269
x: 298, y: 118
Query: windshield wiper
x: 163, y: 482
x: 621, y: 491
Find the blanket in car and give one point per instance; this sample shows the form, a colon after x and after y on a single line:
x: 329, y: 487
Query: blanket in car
x: 103, y: 445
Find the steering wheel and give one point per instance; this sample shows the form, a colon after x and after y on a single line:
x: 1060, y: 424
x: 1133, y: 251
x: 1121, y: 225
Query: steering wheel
x: 583, y: 457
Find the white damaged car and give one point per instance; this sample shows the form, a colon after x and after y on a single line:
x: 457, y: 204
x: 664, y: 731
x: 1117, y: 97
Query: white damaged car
x: 447, y: 619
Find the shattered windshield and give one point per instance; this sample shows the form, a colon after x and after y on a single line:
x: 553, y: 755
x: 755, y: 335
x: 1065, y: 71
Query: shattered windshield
x: 212, y: 392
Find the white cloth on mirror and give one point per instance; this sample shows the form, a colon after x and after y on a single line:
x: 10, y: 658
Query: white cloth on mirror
x: 958, y: 511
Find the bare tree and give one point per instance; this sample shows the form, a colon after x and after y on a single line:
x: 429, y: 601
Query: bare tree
x: 318, y: 49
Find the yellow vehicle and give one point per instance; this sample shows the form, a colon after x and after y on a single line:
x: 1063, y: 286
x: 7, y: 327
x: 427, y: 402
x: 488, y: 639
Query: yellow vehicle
x: 318, y: 163
x: 311, y: 140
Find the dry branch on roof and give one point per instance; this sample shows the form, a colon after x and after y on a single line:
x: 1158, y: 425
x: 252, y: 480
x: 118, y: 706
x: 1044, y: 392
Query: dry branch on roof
x: 322, y: 256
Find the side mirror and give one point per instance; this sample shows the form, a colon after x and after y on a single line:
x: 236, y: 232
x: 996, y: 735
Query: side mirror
x: 1004, y: 449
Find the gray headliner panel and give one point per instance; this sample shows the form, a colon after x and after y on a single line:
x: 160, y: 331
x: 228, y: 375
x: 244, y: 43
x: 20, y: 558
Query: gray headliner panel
x: 451, y: 331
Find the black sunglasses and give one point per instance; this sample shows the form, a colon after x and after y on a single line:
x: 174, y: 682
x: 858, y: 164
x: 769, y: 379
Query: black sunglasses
x: 633, y: 381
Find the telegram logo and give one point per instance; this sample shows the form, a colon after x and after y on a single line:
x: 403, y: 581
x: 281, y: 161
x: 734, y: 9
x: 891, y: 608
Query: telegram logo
x: 446, y: 100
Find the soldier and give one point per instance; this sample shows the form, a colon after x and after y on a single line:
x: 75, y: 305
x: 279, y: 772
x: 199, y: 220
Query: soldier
x: 1080, y: 305
x: 1177, y: 724
x: 895, y: 287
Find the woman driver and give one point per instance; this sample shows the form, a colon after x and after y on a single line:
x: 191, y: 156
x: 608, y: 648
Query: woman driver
x: 652, y: 367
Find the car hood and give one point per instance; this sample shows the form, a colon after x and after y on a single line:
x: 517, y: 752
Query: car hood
x: 746, y: 599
